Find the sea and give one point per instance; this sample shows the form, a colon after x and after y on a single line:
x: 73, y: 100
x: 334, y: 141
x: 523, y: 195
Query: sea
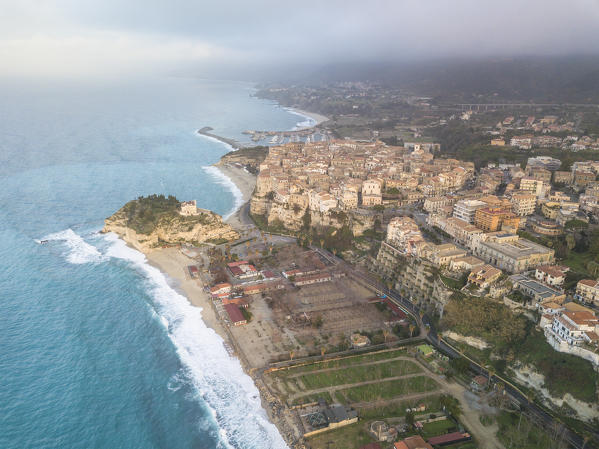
x: 98, y: 349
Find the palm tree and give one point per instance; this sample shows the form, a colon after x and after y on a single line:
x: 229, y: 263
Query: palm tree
x: 291, y: 354
x: 385, y: 334
x: 322, y: 351
x: 585, y: 441
x: 412, y: 328
x: 322, y: 243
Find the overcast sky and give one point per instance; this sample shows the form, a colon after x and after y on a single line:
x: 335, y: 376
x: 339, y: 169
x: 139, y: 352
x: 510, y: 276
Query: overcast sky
x: 121, y: 37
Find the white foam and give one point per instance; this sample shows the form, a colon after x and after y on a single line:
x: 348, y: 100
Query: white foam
x: 214, y: 139
x: 224, y: 180
x: 79, y: 250
x: 216, y: 376
x: 307, y: 123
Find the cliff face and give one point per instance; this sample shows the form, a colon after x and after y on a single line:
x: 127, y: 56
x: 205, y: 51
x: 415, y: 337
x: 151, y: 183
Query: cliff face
x: 291, y: 217
x: 249, y: 157
x: 167, y: 228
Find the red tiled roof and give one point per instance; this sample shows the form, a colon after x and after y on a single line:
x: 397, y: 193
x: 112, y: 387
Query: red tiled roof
x: 449, y: 438
x: 589, y: 282
x: 234, y: 313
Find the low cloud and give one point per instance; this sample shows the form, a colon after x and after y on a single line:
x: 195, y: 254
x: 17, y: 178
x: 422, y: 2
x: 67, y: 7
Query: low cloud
x: 114, y: 38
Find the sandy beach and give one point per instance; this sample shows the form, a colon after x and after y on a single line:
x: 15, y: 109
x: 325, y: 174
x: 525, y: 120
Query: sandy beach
x: 173, y: 263
x: 245, y: 182
x: 318, y: 118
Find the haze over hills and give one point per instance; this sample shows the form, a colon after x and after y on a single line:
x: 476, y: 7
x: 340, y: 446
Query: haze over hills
x: 572, y: 79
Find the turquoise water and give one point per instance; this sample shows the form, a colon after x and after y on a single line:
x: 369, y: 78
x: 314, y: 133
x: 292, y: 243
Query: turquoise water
x: 98, y: 350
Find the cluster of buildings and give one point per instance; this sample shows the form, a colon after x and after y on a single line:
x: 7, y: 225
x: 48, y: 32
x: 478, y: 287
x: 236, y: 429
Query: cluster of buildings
x: 538, y: 134
x: 341, y: 176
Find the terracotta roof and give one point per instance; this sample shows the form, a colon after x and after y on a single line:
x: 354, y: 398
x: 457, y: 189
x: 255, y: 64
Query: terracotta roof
x: 234, y: 313
x: 592, y: 336
x: 588, y: 282
x: 583, y: 317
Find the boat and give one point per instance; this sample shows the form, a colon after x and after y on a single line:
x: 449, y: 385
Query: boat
x: 43, y: 242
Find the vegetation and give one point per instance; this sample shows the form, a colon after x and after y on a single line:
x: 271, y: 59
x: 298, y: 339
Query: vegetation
x: 480, y: 317
x: 144, y: 214
x: 455, y: 284
x: 397, y: 409
x: 437, y: 428
x: 355, y: 374
x: 513, y: 338
x: 345, y: 361
x: 387, y: 389
x: 517, y: 431
x: 309, y: 398
x: 249, y: 157
x: 346, y: 437
x: 564, y: 373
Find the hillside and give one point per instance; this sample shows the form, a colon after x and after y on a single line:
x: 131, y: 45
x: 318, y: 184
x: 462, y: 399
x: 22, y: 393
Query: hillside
x: 149, y: 222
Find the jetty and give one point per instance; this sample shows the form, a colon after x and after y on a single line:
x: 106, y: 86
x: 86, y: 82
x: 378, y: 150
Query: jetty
x: 206, y: 131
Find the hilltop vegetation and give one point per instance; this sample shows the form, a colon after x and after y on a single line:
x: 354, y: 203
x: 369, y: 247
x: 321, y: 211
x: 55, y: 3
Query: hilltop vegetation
x: 249, y: 157
x: 514, y: 341
x: 151, y: 221
x: 145, y: 214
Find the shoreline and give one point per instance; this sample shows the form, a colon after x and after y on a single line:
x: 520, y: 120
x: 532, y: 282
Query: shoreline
x: 244, y: 182
x: 172, y: 262
x: 315, y: 116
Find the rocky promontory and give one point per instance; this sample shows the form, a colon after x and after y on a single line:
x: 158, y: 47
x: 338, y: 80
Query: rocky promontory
x: 151, y: 222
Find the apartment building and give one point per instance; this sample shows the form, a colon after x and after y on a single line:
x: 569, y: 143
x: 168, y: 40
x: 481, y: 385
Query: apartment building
x: 513, y: 254
x: 587, y: 291
x: 466, y: 209
x: 491, y: 219
x: 523, y: 203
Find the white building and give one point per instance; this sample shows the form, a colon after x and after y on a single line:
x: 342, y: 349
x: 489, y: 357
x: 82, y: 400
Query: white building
x: 466, y: 209
x: 189, y: 208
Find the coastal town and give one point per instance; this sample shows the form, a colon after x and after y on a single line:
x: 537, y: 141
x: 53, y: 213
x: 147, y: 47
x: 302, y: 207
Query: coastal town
x: 299, y: 225
x: 389, y: 296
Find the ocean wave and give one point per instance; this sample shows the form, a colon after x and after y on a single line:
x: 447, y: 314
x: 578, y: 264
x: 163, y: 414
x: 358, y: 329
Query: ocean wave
x: 216, y: 376
x: 224, y: 180
x: 214, y: 139
x: 79, y: 251
x: 307, y: 123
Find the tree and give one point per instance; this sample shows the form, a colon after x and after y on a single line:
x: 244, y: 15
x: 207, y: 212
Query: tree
x: 410, y: 418
x: 460, y: 365
x: 412, y: 328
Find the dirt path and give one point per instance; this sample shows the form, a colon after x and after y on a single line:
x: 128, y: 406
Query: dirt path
x: 485, y: 436
x: 340, y: 368
x: 335, y: 388
x: 406, y: 397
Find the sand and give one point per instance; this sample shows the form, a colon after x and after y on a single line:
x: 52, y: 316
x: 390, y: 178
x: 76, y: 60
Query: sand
x: 245, y: 182
x: 174, y: 264
x: 318, y: 118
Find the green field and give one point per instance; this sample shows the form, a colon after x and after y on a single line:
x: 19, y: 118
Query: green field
x: 398, y: 408
x: 355, y: 374
x: 353, y: 436
x: 312, y: 398
x: 347, y: 361
x: 437, y: 428
x: 386, y: 389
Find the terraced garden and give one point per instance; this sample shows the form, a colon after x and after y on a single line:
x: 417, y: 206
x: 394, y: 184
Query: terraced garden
x: 368, y: 378
x: 386, y: 389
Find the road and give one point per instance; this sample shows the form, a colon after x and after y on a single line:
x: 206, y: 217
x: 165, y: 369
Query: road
x: 424, y: 322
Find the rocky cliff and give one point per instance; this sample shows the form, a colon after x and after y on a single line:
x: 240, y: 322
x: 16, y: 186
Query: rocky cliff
x: 148, y: 223
x: 249, y: 157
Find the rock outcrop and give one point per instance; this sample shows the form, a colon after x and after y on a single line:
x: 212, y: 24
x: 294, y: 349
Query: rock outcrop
x: 146, y: 227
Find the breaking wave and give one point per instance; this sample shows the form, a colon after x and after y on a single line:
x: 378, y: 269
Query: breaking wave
x: 216, y: 376
x: 224, y: 180
x: 79, y: 251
